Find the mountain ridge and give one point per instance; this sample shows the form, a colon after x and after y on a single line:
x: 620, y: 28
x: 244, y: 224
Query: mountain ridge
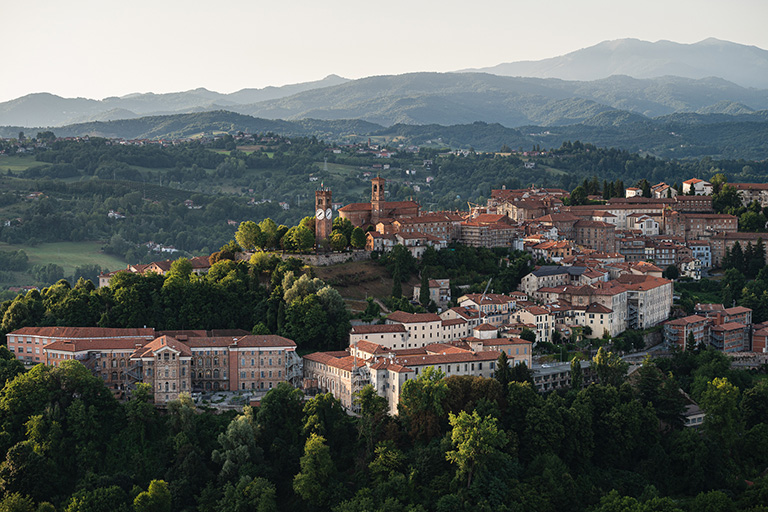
x: 744, y: 65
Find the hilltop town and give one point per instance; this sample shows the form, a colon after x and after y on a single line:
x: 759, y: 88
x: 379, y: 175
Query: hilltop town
x: 601, y: 271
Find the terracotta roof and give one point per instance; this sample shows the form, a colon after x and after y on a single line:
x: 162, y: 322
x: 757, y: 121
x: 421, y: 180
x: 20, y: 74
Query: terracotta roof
x: 537, y: 310
x: 497, y: 342
x: 355, y: 207
x: 84, y: 332
x: 691, y: 319
x: 598, y: 308
x: 730, y: 326
x: 335, y: 360
x: 749, y: 186
x: 644, y: 266
x: 440, y: 348
x: 737, y: 310
x: 466, y: 313
x: 260, y: 340
x: 491, y: 218
x: 159, y: 343
x: 488, y: 298
x: 410, y: 318
x: 377, y: 328
x: 87, y: 345
x: 369, y: 347
x: 485, y: 327
x: 455, y: 321
x: 199, y: 262
x: 649, y: 283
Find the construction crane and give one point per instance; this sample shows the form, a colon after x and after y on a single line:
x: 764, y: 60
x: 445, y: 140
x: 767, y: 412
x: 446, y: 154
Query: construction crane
x: 486, y: 289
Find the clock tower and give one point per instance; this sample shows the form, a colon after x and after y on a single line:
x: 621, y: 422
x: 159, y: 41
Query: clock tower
x: 323, y: 213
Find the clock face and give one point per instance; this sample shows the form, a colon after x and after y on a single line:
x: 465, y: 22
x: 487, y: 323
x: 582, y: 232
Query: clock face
x: 320, y: 214
x: 328, y: 213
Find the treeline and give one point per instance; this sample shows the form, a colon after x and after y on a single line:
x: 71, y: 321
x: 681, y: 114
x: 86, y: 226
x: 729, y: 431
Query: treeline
x: 458, y: 444
x: 586, y: 160
x: 14, y: 260
x: 267, y: 296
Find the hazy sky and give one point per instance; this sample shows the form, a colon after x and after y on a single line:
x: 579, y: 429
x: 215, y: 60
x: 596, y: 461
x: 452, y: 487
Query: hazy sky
x: 100, y: 48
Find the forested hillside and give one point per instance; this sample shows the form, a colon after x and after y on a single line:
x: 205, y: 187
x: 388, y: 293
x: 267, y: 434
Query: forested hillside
x: 458, y: 444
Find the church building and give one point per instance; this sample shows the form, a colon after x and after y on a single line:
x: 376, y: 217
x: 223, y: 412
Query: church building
x: 363, y: 214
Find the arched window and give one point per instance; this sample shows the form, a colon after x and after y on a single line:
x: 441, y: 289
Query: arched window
x: 215, y: 361
x: 166, y: 386
x: 114, y: 363
x: 114, y: 375
x: 207, y: 374
x: 122, y: 363
x: 208, y: 361
x: 216, y: 386
x: 215, y: 374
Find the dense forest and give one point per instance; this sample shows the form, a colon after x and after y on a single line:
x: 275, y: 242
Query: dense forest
x: 458, y: 443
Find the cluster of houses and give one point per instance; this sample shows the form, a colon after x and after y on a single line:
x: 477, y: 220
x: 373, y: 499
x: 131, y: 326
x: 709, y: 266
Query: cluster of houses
x: 667, y: 228
x: 608, y: 278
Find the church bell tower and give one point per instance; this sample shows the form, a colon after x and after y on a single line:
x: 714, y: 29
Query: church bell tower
x: 323, y: 213
x: 377, y: 199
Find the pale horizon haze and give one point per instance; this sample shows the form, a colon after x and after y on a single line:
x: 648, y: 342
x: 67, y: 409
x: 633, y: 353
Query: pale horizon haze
x: 96, y: 49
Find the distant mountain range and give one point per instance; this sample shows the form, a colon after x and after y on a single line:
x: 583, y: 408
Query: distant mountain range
x: 743, y: 65
x: 419, y: 98
x: 43, y: 109
x: 625, y: 93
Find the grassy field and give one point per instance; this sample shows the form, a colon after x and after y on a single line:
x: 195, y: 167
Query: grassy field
x: 18, y: 163
x: 67, y: 254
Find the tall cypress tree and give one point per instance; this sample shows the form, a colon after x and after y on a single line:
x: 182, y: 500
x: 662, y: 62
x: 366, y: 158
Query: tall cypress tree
x: 737, y: 257
x: 397, y: 283
x: 424, y: 292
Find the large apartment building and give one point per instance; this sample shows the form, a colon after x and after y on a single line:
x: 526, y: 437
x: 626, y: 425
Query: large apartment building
x: 172, y: 362
x: 345, y: 372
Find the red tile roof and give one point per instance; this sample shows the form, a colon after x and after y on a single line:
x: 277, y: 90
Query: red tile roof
x: 159, y: 343
x: 377, y: 328
x: 84, y: 332
x: 410, y: 318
